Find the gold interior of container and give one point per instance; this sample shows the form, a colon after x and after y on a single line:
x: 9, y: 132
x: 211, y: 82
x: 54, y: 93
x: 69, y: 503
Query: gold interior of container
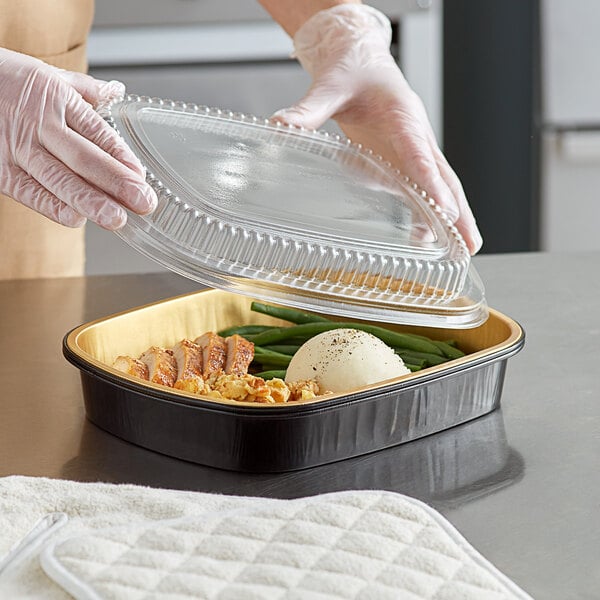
x: 167, y: 322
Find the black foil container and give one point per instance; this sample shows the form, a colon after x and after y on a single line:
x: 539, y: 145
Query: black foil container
x: 277, y: 438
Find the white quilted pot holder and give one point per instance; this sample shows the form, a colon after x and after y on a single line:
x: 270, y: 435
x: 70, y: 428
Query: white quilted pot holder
x: 349, y: 545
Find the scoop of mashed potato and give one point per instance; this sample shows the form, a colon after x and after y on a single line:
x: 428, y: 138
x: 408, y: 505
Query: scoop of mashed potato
x: 342, y: 360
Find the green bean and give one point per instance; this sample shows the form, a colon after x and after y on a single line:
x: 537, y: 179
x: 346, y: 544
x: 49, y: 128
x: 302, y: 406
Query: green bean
x: 297, y: 340
x: 271, y: 374
x: 286, y: 314
x: 268, y: 356
x: 289, y: 349
x: 448, y: 347
x: 299, y: 317
x: 266, y: 338
x: 266, y: 366
x: 391, y: 338
x: 418, y: 337
x: 448, y: 350
x: 244, y: 330
x: 412, y: 368
x: 414, y: 360
x: 430, y: 359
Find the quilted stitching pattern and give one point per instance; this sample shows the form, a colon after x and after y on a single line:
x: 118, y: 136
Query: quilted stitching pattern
x: 347, y: 546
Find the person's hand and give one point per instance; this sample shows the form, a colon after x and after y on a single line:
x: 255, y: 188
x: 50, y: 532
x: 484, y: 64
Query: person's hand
x: 57, y: 155
x: 356, y: 81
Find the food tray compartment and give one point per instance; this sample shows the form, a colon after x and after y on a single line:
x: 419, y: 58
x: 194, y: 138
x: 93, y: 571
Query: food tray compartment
x: 280, y: 437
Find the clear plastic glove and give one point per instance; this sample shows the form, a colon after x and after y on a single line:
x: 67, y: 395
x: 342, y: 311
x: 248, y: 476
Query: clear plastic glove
x: 356, y: 81
x: 57, y: 155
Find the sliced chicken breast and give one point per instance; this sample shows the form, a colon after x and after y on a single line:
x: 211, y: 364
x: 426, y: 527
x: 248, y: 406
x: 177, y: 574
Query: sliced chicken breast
x: 188, y: 356
x: 131, y: 366
x: 162, y: 367
x: 214, y: 353
x: 240, y: 353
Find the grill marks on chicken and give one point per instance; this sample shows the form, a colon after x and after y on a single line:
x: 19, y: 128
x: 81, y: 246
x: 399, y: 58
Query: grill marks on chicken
x: 240, y: 353
x: 162, y: 367
x: 188, y: 357
x: 214, y: 353
x: 132, y: 366
x: 207, y: 356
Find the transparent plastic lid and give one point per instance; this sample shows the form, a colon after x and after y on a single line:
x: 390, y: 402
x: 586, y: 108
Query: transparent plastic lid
x: 301, y: 218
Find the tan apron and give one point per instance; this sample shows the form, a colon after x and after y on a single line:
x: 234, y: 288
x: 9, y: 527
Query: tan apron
x: 55, y: 31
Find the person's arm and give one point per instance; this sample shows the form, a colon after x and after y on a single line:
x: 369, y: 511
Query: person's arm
x: 345, y: 47
x: 292, y: 14
x: 57, y: 155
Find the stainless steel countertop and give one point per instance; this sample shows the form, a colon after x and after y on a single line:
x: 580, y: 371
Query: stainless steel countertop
x: 522, y: 484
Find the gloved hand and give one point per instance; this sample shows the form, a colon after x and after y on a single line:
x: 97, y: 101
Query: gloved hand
x: 57, y: 155
x: 356, y: 81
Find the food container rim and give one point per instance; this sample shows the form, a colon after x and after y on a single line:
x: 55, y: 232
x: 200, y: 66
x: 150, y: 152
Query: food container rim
x: 84, y: 361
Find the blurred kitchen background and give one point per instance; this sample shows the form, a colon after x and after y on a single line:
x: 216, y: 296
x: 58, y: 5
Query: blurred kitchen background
x: 509, y: 88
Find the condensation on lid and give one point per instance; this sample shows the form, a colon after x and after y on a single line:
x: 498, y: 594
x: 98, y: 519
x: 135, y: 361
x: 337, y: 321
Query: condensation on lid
x: 298, y: 217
